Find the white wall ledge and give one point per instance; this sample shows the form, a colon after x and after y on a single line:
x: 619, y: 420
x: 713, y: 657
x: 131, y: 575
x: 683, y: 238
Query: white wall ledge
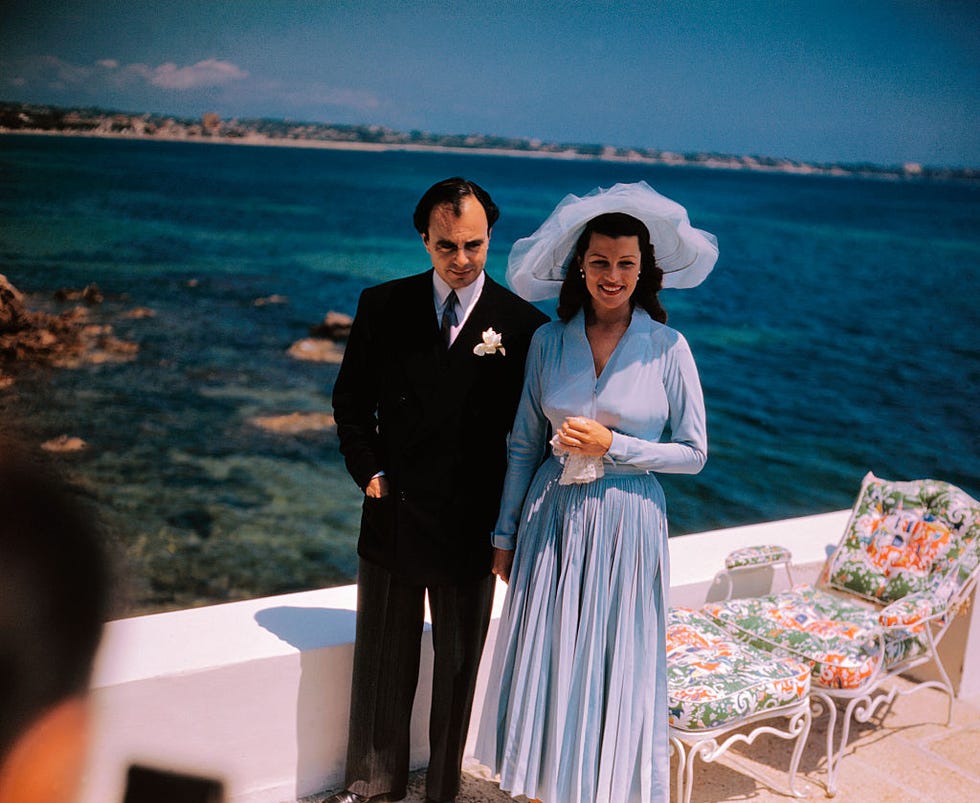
x: 256, y: 693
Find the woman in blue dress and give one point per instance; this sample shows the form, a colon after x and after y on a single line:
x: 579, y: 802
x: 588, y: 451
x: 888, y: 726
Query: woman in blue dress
x: 576, y: 708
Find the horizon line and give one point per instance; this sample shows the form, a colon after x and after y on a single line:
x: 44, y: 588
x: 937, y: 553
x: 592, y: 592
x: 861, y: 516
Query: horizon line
x: 371, y: 136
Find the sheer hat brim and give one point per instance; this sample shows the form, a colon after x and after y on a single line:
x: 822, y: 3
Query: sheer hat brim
x: 537, y: 264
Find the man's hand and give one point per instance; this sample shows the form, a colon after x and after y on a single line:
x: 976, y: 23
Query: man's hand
x: 377, y: 487
x: 503, y: 560
x: 584, y: 436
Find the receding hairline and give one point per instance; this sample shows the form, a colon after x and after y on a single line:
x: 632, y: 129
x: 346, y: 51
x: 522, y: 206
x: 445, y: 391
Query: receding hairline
x: 452, y: 191
x: 455, y: 209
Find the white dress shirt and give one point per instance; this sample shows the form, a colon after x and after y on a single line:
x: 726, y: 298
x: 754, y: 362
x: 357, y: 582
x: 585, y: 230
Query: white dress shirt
x: 468, y: 296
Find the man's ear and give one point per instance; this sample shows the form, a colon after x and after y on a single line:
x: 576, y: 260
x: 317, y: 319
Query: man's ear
x: 46, y: 763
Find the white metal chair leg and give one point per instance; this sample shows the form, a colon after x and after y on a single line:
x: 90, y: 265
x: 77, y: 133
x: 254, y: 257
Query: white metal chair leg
x: 945, y: 684
x: 861, y: 709
x: 708, y: 748
x: 820, y: 702
x: 799, y: 725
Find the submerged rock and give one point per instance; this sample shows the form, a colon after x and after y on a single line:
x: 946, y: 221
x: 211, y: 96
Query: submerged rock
x: 90, y: 294
x: 65, y: 340
x: 334, y: 326
x: 273, y: 299
x: 324, y: 343
x: 12, y: 308
x: 294, y: 423
x: 139, y: 312
x: 64, y: 443
x: 316, y: 350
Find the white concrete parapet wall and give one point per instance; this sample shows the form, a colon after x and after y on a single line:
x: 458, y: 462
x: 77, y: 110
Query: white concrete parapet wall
x: 256, y: 693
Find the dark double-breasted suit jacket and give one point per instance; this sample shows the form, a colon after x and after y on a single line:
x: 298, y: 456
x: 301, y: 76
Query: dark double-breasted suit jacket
x: 435, y: 421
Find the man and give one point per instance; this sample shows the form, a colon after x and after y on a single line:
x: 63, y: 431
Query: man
x: 54, y: 589
x: 424, y: 400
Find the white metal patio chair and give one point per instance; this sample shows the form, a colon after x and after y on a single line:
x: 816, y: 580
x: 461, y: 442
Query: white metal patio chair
x: 908, y: 561
x: 717, y: 684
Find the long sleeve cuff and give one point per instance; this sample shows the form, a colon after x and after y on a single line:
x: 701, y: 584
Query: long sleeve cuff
x: 672, y: 457
x: 503, y: 541
x: 618, y: 449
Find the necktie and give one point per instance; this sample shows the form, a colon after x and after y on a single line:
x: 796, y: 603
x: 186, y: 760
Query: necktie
x: 449, y: 318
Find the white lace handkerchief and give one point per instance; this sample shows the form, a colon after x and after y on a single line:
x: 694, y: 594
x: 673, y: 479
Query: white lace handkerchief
x: 577, y: 468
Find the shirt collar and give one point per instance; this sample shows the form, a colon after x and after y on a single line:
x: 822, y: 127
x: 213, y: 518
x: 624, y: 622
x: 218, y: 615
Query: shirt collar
x: 467, y: 295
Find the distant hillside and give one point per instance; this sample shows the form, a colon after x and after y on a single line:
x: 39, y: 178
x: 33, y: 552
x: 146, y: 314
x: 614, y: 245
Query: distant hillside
x: 32, y: 118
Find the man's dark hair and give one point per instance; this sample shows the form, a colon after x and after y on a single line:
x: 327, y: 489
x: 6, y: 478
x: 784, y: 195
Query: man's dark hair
x: 452, y: 191
x: 54, y: 593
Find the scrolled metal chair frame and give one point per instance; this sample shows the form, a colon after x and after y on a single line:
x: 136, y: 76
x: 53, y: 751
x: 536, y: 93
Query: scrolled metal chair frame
x: 704, y: 744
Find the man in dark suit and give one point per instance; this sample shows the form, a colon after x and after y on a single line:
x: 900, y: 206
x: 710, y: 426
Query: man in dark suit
x: 424, y: 400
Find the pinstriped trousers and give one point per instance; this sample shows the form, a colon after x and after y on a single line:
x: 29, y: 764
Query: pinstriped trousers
x: 387, y: 649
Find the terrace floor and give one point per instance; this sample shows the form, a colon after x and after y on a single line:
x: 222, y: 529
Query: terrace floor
x: 905, y: 753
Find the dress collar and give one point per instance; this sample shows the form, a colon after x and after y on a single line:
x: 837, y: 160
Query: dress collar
x: 640, y: 326
x: 640, y: 323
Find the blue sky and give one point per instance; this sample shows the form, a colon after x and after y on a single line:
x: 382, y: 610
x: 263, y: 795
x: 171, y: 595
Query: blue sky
x: 825, y: 81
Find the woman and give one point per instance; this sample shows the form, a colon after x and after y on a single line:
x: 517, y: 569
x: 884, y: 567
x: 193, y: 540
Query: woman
x: 576, y: 707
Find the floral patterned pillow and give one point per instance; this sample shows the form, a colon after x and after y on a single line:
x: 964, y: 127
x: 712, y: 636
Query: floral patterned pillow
x: 903, y: 537
x: 907, y: 542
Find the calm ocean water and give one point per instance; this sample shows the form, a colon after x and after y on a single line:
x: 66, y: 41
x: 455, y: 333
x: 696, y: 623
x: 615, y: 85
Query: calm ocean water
x: 837, y: 335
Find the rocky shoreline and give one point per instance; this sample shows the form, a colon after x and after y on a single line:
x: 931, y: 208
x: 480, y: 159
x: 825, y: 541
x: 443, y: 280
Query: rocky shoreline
x: 70, y: 338
x: 67, y: 339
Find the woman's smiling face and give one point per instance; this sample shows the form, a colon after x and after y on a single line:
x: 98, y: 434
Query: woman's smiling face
x: 612, y: 267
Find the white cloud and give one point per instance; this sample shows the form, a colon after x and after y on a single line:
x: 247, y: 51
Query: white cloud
x: 58, y: 73
x: 210, y: 72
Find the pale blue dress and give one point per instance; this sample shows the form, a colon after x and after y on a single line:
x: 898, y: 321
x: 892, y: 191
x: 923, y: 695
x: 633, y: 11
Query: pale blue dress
x: 576, y: 708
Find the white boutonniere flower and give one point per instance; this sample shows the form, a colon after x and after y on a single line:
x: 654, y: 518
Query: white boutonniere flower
x: 490, y: 344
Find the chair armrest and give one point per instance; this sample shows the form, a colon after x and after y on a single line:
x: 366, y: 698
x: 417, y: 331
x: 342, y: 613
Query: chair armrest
x: 752, y: 556
x: 912, y: 609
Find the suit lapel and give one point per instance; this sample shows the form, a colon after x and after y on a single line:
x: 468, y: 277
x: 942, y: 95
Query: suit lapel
x: 484, y: 316
x: 416, y: 331
x: 419, y: 314
x: 413, y: 332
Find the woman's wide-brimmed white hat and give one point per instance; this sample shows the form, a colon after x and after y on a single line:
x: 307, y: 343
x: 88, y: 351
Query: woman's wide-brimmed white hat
x: 537, y: 264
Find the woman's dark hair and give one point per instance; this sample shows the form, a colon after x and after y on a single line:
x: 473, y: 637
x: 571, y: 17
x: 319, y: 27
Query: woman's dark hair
x: 574, y: 294
x: 452, y: 191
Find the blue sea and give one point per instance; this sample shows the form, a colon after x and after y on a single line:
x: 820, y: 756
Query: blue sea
x: 837, y: 335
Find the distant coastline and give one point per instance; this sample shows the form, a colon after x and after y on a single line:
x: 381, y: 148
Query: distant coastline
x: 26, y: 118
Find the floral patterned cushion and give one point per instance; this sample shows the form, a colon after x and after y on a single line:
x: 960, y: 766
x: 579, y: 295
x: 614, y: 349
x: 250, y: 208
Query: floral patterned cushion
x: 757, y: 556
x: 912, y: 609
x: 833, y: 635
x: 714, y: 679
x: 906, y: 537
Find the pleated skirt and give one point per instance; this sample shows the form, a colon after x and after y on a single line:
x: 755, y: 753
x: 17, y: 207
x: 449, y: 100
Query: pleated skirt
x: 576, y: 707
